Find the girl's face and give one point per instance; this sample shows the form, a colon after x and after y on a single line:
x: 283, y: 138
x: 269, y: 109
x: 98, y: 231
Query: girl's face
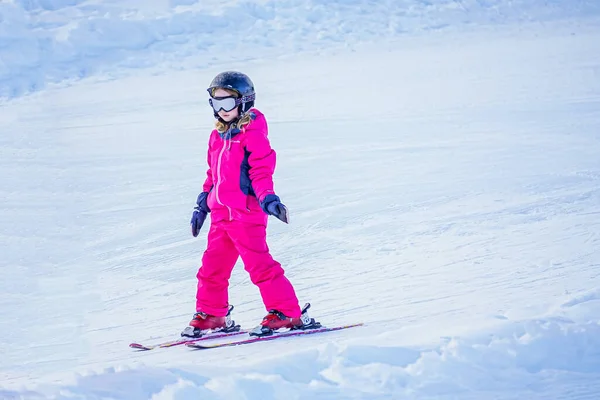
x: 226, y: 115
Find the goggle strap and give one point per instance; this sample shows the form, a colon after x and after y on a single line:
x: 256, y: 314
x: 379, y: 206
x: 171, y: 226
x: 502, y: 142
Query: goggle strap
x: 246, y: 99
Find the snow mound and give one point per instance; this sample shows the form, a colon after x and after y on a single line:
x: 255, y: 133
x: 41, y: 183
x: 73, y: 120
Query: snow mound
x: 517, y: 359
x: 48, y: 41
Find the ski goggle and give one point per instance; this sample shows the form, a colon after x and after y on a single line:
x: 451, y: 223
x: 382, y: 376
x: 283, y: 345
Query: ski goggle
x: 224, y: 103
x: 228, y: 103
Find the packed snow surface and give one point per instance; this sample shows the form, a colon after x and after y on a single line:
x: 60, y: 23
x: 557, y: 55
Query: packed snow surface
x: 440, y: 161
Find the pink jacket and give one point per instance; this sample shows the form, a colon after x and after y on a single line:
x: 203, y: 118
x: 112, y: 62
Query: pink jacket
x: 240, y: 172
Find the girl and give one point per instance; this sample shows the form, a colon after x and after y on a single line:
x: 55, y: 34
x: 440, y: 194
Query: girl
x: 238, y: 193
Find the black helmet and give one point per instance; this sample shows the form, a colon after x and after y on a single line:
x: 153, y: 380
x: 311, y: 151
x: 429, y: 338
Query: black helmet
x: 237, y: 82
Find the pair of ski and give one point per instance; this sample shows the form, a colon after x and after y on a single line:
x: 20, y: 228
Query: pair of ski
x: 199, y: 343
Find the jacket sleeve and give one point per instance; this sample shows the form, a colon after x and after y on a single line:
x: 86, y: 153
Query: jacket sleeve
x: 262, y: 160
x: 208, y: 182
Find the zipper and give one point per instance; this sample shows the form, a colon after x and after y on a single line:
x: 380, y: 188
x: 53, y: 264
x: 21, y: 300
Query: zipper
x: 220, y: 178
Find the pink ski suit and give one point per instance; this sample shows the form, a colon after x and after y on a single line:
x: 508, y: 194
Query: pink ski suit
x: 240, y: 173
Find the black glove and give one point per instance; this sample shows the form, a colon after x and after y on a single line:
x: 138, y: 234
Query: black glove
x: 273, y: 206
x: 201, y: 210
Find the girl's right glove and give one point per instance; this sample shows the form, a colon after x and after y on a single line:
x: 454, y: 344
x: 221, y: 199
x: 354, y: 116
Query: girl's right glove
x: 201, y: 210
x: 273, y: 206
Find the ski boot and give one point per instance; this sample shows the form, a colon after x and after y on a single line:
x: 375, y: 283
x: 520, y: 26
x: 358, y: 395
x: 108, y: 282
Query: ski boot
x: 203, y: 323
x: 276, y: 320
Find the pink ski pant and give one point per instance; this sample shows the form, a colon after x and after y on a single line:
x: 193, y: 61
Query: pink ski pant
x: 228, y: 240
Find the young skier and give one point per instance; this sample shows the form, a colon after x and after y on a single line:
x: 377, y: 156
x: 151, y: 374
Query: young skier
x: 238, y: 193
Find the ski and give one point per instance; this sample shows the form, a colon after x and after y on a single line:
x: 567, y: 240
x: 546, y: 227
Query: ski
x: 200, y: 346
x: 185, y: 340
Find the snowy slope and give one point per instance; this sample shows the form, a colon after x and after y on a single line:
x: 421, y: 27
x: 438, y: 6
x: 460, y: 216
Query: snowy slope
x: 46, y: 41
x: 443, y: 187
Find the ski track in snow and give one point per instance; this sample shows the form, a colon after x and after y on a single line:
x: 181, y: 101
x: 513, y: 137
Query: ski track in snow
x: 448, y: 197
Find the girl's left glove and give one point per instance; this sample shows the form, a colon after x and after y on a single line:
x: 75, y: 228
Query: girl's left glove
x: 273, y: 206
x: 201, y: 210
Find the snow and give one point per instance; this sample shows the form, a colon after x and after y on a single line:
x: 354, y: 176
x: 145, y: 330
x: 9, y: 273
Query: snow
x: 440, y: 163
x: 48, y: 41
